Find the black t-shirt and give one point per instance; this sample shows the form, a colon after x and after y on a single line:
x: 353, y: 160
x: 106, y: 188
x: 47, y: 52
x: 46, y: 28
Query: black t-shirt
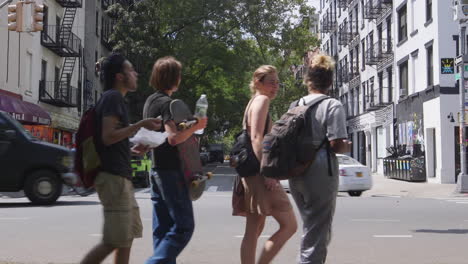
x: 115, y: 158
x: 165, y: 156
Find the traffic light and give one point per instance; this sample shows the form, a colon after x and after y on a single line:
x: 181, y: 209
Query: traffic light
x: 15, y: 17
x: 37, y: 17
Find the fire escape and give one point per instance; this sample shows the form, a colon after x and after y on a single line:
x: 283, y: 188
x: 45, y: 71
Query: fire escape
x: 329, y: 22
x: 374, y: 9
x: 62, y: 41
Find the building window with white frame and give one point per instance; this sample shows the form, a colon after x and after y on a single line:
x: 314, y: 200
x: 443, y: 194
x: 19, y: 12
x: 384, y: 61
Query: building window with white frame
x: 380, y: 140
x: 430, y: 66
x: 428, y: 10
x: 403, y: 72
x: 413, y: 22
x: 402, y: 24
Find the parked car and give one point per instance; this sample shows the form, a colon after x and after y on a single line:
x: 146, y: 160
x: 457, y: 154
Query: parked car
x: 354, y: 178
x: 36, y: 167
x: 216, y: 152
x: 204, y: 157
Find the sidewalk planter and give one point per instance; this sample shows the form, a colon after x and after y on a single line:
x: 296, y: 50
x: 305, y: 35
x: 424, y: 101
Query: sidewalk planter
x: 408, y: 169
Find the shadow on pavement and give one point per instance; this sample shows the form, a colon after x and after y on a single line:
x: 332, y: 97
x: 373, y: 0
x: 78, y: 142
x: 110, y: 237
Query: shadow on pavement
x: 447, y: 231
x: 59, y: 203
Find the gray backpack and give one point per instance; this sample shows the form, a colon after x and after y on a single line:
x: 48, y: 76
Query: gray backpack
x: 289, y: 149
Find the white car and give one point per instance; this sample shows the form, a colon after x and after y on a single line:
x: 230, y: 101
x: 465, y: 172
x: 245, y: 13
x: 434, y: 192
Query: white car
x: 354, y: 177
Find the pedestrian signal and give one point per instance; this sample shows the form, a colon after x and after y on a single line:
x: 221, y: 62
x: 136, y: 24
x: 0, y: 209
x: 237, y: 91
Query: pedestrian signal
x: 15, y: 17
x: 37, y: 17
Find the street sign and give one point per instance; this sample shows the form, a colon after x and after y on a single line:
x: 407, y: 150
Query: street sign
x: 458, y: 60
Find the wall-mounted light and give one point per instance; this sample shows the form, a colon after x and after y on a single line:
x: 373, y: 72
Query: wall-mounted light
x: 450, y: 117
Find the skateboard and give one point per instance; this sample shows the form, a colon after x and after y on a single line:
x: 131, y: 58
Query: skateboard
x: 189, y: 150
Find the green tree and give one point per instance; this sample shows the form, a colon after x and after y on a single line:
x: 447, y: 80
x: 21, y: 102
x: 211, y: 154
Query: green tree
x: 220, y: 43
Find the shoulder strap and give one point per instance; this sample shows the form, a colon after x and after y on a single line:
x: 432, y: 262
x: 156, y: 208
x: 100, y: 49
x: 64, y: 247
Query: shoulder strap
x: 244, y: 121
x: 317, y: 100
x: 148, y: 103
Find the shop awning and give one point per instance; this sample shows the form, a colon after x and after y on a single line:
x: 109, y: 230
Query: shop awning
x: 24, y: 112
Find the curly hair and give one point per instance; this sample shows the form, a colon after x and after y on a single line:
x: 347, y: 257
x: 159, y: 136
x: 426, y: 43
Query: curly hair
x: 319, y: 74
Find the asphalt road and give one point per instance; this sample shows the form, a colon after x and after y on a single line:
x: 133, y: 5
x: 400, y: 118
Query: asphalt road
x: 377, y: 230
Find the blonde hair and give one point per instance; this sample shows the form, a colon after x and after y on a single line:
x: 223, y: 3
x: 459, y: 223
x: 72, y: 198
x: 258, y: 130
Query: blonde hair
x: 260, y: 74
x: 319, y: 75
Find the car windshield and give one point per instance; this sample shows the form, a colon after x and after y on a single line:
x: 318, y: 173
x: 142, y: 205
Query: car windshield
x: 345, y: 160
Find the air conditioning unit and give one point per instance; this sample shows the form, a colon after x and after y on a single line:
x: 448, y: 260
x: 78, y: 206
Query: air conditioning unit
x: 403, y: 92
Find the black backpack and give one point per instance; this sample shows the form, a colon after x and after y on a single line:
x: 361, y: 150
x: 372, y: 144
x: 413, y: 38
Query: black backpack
x: 289, y: 149
x: 242, y: 156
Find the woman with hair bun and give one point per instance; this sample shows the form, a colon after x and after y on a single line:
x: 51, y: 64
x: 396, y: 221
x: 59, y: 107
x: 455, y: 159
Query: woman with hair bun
x: 262, y: 196
x: 315, y: 191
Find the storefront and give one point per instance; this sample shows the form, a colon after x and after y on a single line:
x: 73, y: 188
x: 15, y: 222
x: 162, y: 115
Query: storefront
x: 37, y: 120
x: 372, y: 134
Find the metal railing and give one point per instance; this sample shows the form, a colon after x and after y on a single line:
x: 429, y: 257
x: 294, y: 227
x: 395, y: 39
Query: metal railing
x: 329, y: 22
x: 343, y: 34
x: 373, y: 9
x: 378, y: 52
x: 58, y: 93
x: 70, y: 3
x: 343, y: 3
x: 106, y: 3
x: 61, y: 41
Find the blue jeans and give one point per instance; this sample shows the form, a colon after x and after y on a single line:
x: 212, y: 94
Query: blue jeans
x: 173, y: 221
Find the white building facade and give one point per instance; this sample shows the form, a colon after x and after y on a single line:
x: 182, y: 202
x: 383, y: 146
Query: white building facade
x: 395, y: 77
x: 42, y: 73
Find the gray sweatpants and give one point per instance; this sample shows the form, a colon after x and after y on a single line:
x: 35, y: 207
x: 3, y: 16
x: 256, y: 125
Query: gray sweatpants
x: 315, y: 196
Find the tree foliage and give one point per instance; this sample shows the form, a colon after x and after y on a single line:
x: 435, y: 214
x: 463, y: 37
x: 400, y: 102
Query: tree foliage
x: 220, y: 43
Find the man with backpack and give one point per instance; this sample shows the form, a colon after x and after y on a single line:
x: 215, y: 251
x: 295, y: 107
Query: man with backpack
x: 113, y: 184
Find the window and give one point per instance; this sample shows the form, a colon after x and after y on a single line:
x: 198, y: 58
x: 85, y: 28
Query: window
x: 403, y: 78
x: 357, y: 59
x: 430, y: 66
x: 364, y: 97
x: 362, y: 13
x: 356, y: 11
x: 381, y: 152
x: 43, y: 70
x: 390, y: 84
x: 97, y: 23
x: 402, y: 24
x: 358, y: 108
x: 428, y: 10
x: 363, y: 51
x: 412, y: 16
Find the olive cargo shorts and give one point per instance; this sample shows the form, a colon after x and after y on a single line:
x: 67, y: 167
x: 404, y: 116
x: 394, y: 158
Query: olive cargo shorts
x: 122, y: 222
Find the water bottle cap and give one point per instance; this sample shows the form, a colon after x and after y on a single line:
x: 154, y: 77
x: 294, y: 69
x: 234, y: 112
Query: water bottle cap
x: 203, y: 95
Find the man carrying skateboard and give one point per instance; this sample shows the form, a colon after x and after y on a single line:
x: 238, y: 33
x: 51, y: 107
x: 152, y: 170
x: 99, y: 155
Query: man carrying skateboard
x: 173, y: 220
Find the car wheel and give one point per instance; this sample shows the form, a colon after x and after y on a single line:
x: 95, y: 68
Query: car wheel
x: 355, y: 193
x: 43, y: 187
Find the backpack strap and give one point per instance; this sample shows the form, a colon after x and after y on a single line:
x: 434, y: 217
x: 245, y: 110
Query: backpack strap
x: 325, y: 141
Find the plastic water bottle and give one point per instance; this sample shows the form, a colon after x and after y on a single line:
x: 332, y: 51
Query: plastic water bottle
x: 201, y: 109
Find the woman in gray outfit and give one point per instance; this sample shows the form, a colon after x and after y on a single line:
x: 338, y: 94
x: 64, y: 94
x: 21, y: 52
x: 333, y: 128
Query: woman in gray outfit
x: 315, y: 191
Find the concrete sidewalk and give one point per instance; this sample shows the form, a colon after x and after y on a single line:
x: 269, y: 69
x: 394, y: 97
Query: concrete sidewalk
x: 383, y: 186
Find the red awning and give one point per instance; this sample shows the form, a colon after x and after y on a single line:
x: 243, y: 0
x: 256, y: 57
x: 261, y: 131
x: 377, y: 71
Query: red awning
x: 24, y: 112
